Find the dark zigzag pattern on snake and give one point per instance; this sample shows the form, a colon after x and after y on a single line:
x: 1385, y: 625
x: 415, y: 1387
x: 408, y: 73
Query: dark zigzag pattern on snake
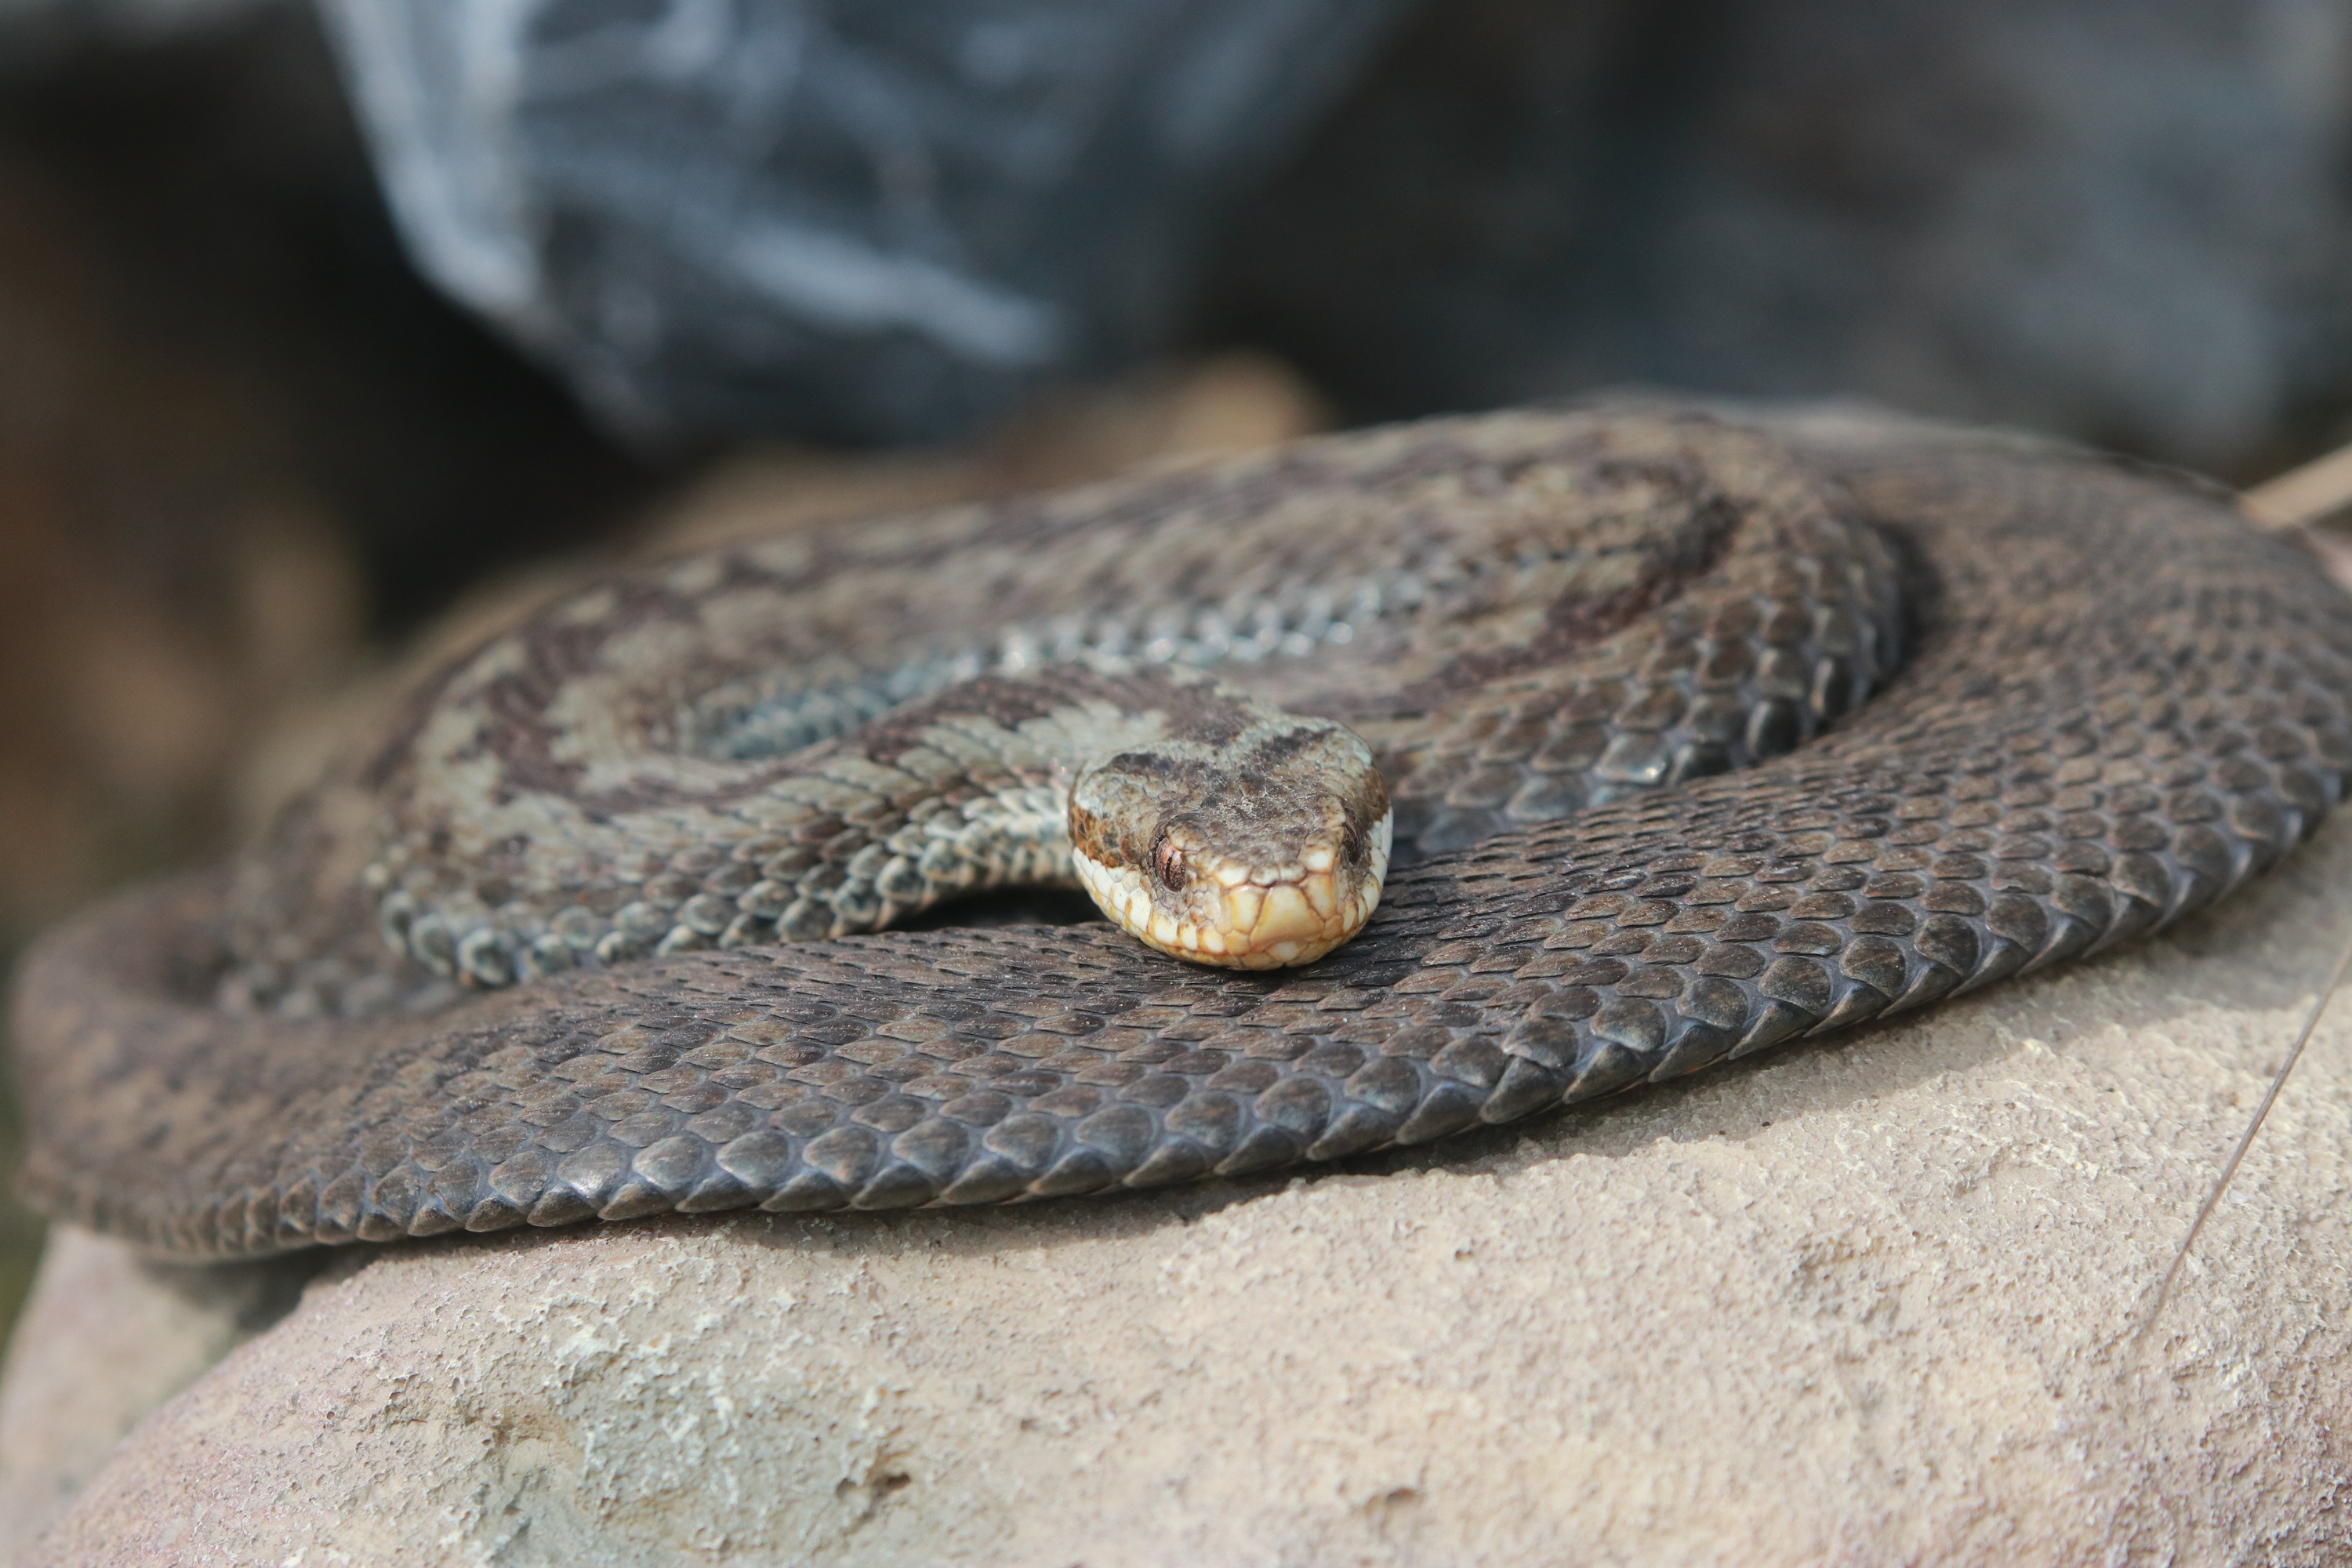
x: 2121, y: 703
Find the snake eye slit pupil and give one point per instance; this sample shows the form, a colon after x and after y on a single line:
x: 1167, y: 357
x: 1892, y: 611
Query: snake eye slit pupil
x: 1351, y: 844
x: 1167, y: 862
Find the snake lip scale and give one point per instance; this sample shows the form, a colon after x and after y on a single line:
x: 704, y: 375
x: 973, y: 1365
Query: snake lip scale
x: 1695, y: 734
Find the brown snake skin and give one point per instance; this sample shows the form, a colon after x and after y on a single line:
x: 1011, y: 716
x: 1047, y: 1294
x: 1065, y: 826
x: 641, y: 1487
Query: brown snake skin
x: 2119, y: 704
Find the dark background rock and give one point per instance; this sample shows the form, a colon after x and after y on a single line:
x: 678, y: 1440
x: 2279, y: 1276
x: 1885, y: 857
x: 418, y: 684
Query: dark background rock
x: 862, y: 223
x: 2124, y: 220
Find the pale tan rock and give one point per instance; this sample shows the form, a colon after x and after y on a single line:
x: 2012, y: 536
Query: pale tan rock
x: 1865, y: 1302
x: 106, y: 1336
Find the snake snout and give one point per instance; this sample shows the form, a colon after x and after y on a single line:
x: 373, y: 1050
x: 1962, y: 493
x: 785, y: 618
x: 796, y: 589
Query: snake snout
x: 1268, y: 851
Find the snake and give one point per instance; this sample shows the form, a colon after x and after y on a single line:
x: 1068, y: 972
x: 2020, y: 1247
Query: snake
x: 1431, y: 777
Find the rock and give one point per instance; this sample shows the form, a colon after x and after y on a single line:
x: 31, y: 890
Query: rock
x: 33, y: 29
x: 834, y: 220
x: 106, y: 1337
x: 2116, y: 219
x: 1875, y: 1301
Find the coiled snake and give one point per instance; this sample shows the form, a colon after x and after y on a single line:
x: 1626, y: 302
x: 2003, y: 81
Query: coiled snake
x: 1700, y: 736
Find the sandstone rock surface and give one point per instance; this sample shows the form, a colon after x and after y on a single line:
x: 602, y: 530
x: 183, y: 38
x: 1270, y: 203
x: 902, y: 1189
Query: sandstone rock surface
x: 1870, y: 1300
x: 107, y: 1337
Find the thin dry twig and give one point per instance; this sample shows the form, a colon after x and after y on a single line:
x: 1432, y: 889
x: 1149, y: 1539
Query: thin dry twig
x: 2262, y: 1113
x: 2302, y: 497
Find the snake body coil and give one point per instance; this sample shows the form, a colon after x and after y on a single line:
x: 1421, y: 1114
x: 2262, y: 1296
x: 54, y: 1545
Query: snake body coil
x: 1699, y: 738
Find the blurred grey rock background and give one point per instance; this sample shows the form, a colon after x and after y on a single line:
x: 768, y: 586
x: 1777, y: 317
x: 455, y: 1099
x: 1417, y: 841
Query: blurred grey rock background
x: 2123, y: 219
x: 863, y: 223
x: 32, y: 26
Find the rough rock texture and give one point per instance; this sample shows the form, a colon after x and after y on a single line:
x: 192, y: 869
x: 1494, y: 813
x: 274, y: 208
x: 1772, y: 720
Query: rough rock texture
x: 1870, y: 1301
x: 109, y: 1336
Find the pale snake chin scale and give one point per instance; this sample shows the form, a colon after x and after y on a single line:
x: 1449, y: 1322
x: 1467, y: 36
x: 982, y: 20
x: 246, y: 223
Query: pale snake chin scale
x: 1689, y: 735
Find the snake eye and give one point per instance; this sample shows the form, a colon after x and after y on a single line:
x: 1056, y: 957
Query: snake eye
x: 1351, y: 844
x: 1168, y: 862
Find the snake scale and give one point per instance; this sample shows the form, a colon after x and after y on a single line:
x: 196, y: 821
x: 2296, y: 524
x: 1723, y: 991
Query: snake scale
x: 1696, y: 733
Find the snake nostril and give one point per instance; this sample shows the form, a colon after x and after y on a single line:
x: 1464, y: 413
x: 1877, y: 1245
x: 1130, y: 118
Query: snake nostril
x: 1168, y: 862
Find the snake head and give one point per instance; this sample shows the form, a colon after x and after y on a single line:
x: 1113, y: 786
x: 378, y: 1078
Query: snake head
x: 1254, y: 850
